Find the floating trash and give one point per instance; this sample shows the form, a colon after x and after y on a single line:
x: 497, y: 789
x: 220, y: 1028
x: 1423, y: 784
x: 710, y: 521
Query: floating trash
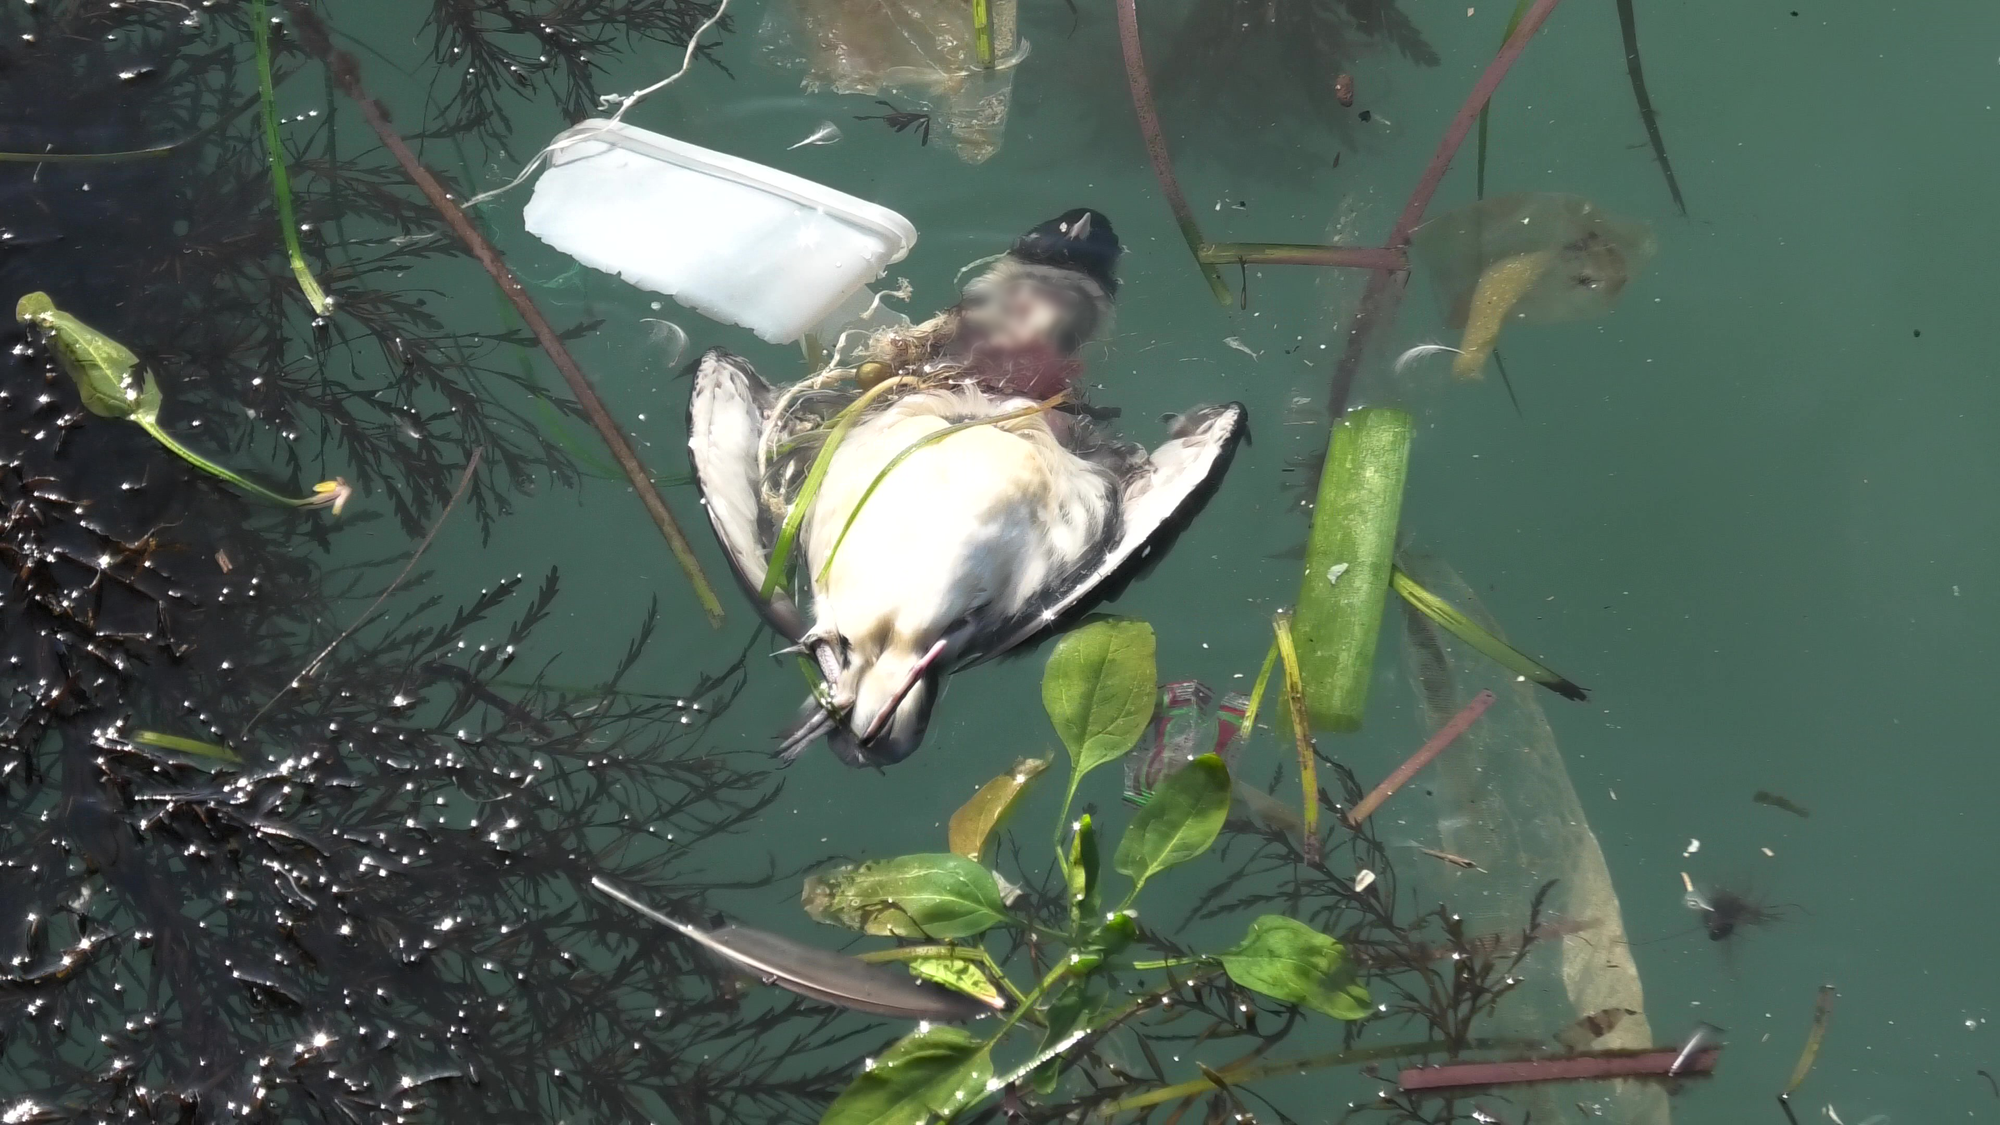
x: 670, y: 338
x: 729, y: 238
x: 828, y: 133
x: 1538, y: 258
x: 1187, y: 723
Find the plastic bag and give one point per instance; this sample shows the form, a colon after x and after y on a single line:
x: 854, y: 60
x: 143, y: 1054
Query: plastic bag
x: 913, y: 50
x: 1536, y: 258
x: 1187, y: 723
x: 1503, y: 799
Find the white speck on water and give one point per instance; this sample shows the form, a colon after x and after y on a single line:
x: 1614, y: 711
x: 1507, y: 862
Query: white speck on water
x: 1693, y: 847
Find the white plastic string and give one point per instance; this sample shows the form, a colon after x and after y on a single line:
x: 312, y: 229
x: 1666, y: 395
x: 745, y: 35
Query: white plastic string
x: 624, y: 102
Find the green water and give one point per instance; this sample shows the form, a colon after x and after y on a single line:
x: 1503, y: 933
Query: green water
x: 1750, y: 510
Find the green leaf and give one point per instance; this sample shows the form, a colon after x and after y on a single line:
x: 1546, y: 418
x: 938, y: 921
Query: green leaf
x: 936, y: 896
x: 1179, y: 823
x: 1472, y: 633
x: 973, y: 825
x: 927, y: 1075
x: 100, y: 366
x: 1081, y: 871
x: 958, y: 975
x: 1288, y: 960
x: 1099, y: 690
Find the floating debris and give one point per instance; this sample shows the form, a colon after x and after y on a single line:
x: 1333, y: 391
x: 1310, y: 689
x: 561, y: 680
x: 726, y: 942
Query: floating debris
x: 1766, y: 797
x: 1237, y: 343
x: 828, y: 133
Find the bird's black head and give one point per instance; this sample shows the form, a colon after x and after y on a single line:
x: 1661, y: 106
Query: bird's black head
x: 1081, y: 240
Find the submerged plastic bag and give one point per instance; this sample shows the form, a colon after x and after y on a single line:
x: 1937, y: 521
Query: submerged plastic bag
x: 923, y: 50
x: 1187, y: 723
x: 1503, y: 799
x: 1536, y: 258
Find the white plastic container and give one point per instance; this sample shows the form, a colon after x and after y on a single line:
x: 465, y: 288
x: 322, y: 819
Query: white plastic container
x: 730, y: 239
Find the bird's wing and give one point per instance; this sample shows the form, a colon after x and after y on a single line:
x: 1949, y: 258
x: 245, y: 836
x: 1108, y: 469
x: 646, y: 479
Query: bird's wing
x: 726, y: 413
x: 1157, y: 499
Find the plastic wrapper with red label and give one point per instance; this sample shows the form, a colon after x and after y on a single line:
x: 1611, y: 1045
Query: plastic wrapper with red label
x: 1187, y: 723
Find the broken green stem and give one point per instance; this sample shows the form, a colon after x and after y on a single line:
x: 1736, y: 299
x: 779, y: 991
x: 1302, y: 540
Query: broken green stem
x: 281, y: 183
x: 1156, y: 145
x: 207, y: 466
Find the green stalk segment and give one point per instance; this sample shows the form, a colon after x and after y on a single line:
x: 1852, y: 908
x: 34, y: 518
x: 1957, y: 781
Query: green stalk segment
x: 281, y: 183
x: 1348, y: 560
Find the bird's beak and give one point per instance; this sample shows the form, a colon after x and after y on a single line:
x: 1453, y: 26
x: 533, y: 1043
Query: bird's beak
x: 917, y: 671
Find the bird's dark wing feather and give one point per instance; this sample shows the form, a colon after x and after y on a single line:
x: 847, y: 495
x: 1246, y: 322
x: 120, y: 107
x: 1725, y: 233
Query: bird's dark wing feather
x: 725, y: 420
x: 1157, y: 499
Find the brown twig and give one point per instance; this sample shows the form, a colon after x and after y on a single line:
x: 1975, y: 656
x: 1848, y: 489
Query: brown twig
x: 346, y: 73
x: 1654, y: 1064
x: 1290, y: 254
x: 1445, y: 736
x: 1385, y: 291
x: 1156, y: 144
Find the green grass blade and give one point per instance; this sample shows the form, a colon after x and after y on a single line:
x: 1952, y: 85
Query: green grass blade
x: 781, y: 555
x: 281, y: 183
x: 186, y: 745
x: 1513, y: 21
x: 1470, y: 631
x: 928, y: 439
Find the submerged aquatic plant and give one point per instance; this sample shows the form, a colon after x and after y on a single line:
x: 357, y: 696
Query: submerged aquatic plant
x: 107, y: 378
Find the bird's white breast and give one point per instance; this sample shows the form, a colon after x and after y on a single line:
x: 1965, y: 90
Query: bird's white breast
x: 975, y: 523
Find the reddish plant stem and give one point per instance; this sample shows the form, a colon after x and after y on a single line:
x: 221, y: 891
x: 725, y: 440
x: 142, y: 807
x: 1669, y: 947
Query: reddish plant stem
x: 1156, y: 143
x: 1445, y: 736
x: 346, y: 74
x: 1385, y: 289
x: 1648, y: 1064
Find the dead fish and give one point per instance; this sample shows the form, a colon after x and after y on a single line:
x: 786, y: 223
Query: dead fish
x: 1237, y: 343
x: 1592, y: 1027
x: 1766, y: 797
x: 831, y: 978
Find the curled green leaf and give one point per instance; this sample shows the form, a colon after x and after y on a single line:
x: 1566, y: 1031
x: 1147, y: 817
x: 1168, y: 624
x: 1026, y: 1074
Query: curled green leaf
x: 101, y: 367
x: 1288, y: 960
x: 972, y: 827
x: 959, y: 976
x: 933, y: 896
x: 1081, y: 871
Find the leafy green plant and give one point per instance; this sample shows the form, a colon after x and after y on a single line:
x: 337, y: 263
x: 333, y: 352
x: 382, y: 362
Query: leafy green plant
x: 1098, y: 688
x: 109, y: 382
